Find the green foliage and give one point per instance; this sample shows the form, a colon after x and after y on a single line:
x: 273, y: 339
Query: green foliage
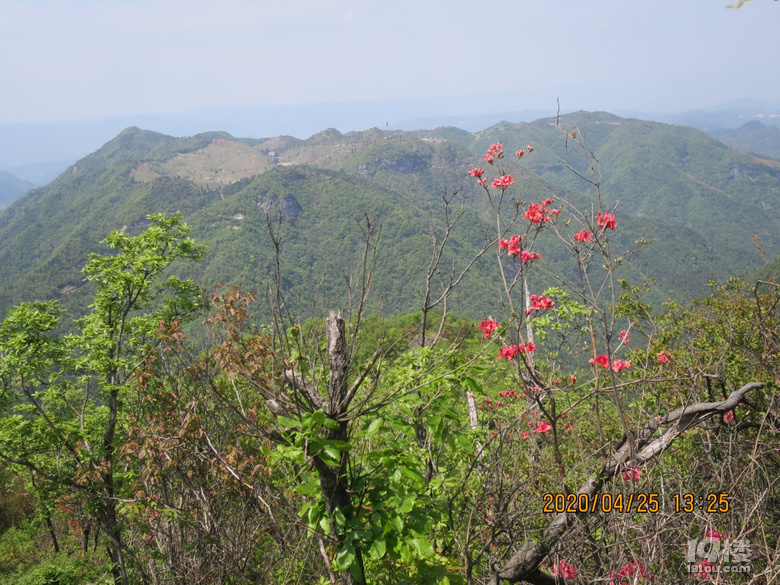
x: 68, y: 397
x: 673, y: 185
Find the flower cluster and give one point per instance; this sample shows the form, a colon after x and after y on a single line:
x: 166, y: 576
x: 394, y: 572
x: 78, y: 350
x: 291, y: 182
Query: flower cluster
x: 541, y: 427
x: 495, y: 151
x: 662, y: 358
x: 510, y: 352
x: 583, y: 236
x: 540, y: 303
x: 565, y: 570
x: 512, y: 245
x: 540, y: 212
x: 503, y: 181
x: 632, y: 474
x: 603, y: 361
x: 624, y: 575
x: 606, y: 220
x: 511, y: 394
x: 488, y: 326
x: 704, y: 567
x: 625, y: 337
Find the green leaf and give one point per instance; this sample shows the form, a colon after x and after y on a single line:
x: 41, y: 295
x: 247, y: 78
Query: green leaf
x: 345, y: 557
x: 396, y: 523
x: 407, y: 505
x: 339, y: 518
x: 373, y: 428
x: 378, y: 548
x: 288, y: 422
x: 423, y: 548
x: 413, y: 475
x: 325, y: 526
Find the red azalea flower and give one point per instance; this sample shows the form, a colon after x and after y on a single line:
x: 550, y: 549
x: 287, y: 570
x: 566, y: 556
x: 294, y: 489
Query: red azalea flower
x: 477, y: 172
x: 662, y: 357
x: 729, y: 416
x: 488, y: 326
x: 542, y: 427
x: 601, y: 360
x: 503, y: 181
x: 634, y: 474
x: 540, y: 303
x: 535, y: 213
x: 527, y: 256
x: 705, y: 569
x: 565, y: 570
x: 512, y: 245
x: 618, y: 365
x: 625, y: 336
x: 606, y: 220
x: 583, y: 236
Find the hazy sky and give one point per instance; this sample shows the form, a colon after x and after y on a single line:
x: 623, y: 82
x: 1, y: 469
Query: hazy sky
x: 92, y: 58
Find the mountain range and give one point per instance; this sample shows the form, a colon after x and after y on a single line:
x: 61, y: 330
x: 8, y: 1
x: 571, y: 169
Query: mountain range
x: 702, y: 205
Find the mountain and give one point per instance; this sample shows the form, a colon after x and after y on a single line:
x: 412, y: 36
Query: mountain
x: 11, y: 188
x: 753, y: 137
x: 698, y: 201
x: 677, y: 174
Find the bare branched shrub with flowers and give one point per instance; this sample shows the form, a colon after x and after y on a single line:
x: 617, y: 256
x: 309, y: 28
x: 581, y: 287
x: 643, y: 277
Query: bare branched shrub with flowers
x: 574, y: 485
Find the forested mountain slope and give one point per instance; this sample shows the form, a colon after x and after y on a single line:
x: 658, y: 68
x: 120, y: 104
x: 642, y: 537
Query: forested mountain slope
x: 697, y: 202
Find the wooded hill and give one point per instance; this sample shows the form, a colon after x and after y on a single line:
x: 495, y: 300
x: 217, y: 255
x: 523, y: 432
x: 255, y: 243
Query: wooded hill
x: 697, y: 202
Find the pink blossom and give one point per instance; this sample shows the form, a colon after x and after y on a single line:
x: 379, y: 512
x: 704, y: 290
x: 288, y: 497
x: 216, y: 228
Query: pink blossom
x: 634, y: 474
x: 512, y: 245
x: 477, y: 172
x: 538, y: 212
x: 583, y: 236
x: 542, y: 427
x: 565, y: 570
x: 606, y: 220
x: 705, y: 569
x: 503, y: 181
x: 488, y: 326
x: 527, y: 256
x: 714, y: 535
x: 601, y: 360
x: 625, y: 336
x: 729, y: 416
x: 540, y: 303
x: 630, y: 570
x: 508, y: 353
x: 662, y: 357
x: 619, y: 365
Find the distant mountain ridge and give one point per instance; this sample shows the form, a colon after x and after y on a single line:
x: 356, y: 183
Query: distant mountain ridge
x: 697, y: 200
x: 754, y: 137
x: 11, y: 188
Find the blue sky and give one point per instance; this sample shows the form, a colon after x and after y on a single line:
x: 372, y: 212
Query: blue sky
x: 87, y: 58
